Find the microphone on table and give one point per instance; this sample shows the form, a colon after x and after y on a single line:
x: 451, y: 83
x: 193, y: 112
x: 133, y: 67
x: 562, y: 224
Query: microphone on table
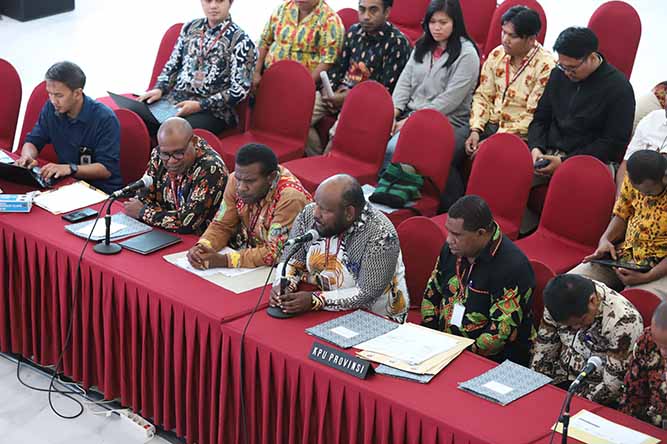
x: 594, y: 362
x: 144, y: 182
x: 309, y: 236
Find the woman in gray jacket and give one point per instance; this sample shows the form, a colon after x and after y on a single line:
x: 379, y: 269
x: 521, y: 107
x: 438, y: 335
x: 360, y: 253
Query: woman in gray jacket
x: 441, y: 74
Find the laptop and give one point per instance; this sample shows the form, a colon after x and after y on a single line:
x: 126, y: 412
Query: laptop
x: 150, y: 242
x: 153, y: 114
x: 24, y: 176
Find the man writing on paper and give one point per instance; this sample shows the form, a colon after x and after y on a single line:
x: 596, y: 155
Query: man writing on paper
x: 644, y: 388
x: 189, y: 180
x: 584, y: 318
x: 258, y: 208
x: 355, y: 264
x: 84, y: 133
x: 482, y: 286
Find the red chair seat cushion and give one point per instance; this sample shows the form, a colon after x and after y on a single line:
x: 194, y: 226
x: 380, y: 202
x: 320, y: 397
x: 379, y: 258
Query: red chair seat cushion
x: 285, y: 148
x: 559, y: 254
x: 312, y: 174
x: 426, y: 206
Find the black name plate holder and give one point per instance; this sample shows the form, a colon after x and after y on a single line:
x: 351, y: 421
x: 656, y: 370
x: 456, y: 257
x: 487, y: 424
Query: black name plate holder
x: 340, y: 360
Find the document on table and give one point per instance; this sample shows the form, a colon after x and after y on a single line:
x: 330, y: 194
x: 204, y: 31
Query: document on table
x: 69, y: 198
x: 593, y: 429
x: 410, y: 343
x: 351, y: 329
x: 100, y: 229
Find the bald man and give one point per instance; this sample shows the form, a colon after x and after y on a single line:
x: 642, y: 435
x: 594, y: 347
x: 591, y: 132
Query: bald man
x: 644, y: 389
x: 356, y: 263
x: 189, y: 180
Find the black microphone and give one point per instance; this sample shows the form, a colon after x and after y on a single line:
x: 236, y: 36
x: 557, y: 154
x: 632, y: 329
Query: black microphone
x: 144, y: 182
x: 594, y: 362
x: 311, y: 235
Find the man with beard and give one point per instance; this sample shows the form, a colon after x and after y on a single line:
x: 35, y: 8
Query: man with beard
x: 356, y: 262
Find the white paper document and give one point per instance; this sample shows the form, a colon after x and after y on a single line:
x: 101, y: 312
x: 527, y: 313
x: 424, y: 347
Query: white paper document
x: 69, y: 198
x: 344, y: 332
x: 229, y: 272
x: 410, y: 343
x: 100, y: 229
x: 498, y: 387
x: 593, y: 429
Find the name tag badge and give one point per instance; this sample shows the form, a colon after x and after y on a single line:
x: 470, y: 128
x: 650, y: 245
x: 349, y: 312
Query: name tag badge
x: 457, y: 315
x: 85, y: 155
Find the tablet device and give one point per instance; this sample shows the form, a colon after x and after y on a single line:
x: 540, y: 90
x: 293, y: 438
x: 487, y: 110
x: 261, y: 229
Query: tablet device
x: 24, y: 176
x: 153, y: 114
x: 621, y: 264
x: 150, y: 242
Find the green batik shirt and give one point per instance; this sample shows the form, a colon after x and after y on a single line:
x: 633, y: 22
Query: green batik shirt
x: 495, y: 290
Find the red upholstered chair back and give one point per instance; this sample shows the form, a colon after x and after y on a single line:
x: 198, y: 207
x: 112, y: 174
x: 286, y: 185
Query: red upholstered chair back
x: 164, y: 51
x: 211, y: 139
x: 285, y: 100
x: 579, y: 201
x: 349, y: 17
x: 618, y: 47
x: 495, y: 28
x: 36, y: 102
x: 543, y: 275
x: 10, y: 91
x: 644, y: 301
x: 408, y: 15
x: 501, y: 174
x: 477, y: 15
x: 421, y: 242
x: 364, y: 124
x: 135, y: 145
x: 427, y: 143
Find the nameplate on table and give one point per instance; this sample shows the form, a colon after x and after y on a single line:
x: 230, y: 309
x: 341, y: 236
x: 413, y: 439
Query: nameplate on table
x: 339, y: 360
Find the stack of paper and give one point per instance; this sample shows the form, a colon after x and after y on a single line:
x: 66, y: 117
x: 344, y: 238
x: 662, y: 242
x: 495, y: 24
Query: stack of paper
x: 69, y: 198
x: 352, y: 329
x: 593, y: 429
x: 413, y: 351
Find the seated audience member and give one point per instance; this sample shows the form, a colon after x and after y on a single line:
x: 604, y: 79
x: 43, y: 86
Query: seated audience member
x: 306, y: 31
x: 644, y: 389
x: 374, y: 50
x: 587, y: 106
x: 482, y: 286
x: 652, y: 101
x: 84, y: 133
x: 209, y: 71
x: 258, y: 208
x: 189, y: 180
x: 637, y: 232
x: 650, y: 134
x: 512, y: 80
x: 583, y: 318
x: 441, y: 74
x: 355, y: 264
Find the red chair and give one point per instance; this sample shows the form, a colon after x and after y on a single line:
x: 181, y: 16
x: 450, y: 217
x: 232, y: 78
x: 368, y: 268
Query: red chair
x: 644, y: 301
x: 135, y: 145
x: 163, y: 53
x: 282, y: 113
x: 211, y: 139
x: 543, y: 274
x: 501, y: 175
x: 36, y: 102
x: 360, y: 142
x: 421, y: 242
x: 576, y: 212
x: 349, y: 17
x: 10, y: 90
x: 427, y: 143
x: 495, y: 28
x: 477, y: 15
x: 619, y: 48
x: 408, y: 15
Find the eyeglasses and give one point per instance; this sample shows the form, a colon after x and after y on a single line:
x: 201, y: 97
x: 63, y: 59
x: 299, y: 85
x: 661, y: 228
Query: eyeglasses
x: 570, y: 69
x: 177, y: 155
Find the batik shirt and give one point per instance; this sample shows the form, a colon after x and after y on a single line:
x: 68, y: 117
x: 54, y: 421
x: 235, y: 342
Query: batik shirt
x: 508, y: 96
x: 561, y: 352
x: 257, y: 230
x: 188, y: 202
x: 380, y: 57
x: 360, y: 268
x: 213, y: 66
x: 645, y: 385
x: 646, y: 217
x: 496, y: 292
x: 317, y: 39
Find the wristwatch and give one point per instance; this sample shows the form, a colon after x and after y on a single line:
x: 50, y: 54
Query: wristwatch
x: 74, y: 168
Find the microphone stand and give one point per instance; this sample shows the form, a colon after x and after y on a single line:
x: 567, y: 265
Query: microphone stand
x: 107, y: 247
x: 276, y: 312
x: 565, y: 417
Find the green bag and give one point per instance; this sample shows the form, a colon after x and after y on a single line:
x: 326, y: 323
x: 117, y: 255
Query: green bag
x: 398, y: 185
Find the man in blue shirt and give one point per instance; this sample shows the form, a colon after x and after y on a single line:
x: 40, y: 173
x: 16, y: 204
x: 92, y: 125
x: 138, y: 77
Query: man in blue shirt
x: 84, y: 133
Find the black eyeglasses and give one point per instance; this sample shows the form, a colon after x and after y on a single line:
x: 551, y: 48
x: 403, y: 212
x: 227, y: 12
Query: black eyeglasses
x: 177, y: 155
x: 570, y: 69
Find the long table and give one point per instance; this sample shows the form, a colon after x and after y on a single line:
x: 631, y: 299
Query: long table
x: 143, y: 331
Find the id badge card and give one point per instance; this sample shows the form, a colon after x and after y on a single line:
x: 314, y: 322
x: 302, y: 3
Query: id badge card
x: 198, y: 79
x: 457, y: 315
x: 85, y: 155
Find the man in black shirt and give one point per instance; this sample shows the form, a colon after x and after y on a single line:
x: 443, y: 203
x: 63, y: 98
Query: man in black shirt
x: 587, y: 106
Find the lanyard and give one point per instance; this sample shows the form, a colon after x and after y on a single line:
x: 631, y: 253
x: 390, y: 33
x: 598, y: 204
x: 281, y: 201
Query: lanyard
x: 203, y: 53
x: 327, y: 244
x: 176, y: 192
x: 254, y: 220
x: 523, y: 66
x: 460, y: 276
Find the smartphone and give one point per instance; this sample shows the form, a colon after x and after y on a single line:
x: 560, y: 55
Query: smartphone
x: 79, y: 215
x: 541, y: 163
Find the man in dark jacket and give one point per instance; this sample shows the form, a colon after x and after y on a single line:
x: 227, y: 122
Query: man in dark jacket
x: 587, y: 106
